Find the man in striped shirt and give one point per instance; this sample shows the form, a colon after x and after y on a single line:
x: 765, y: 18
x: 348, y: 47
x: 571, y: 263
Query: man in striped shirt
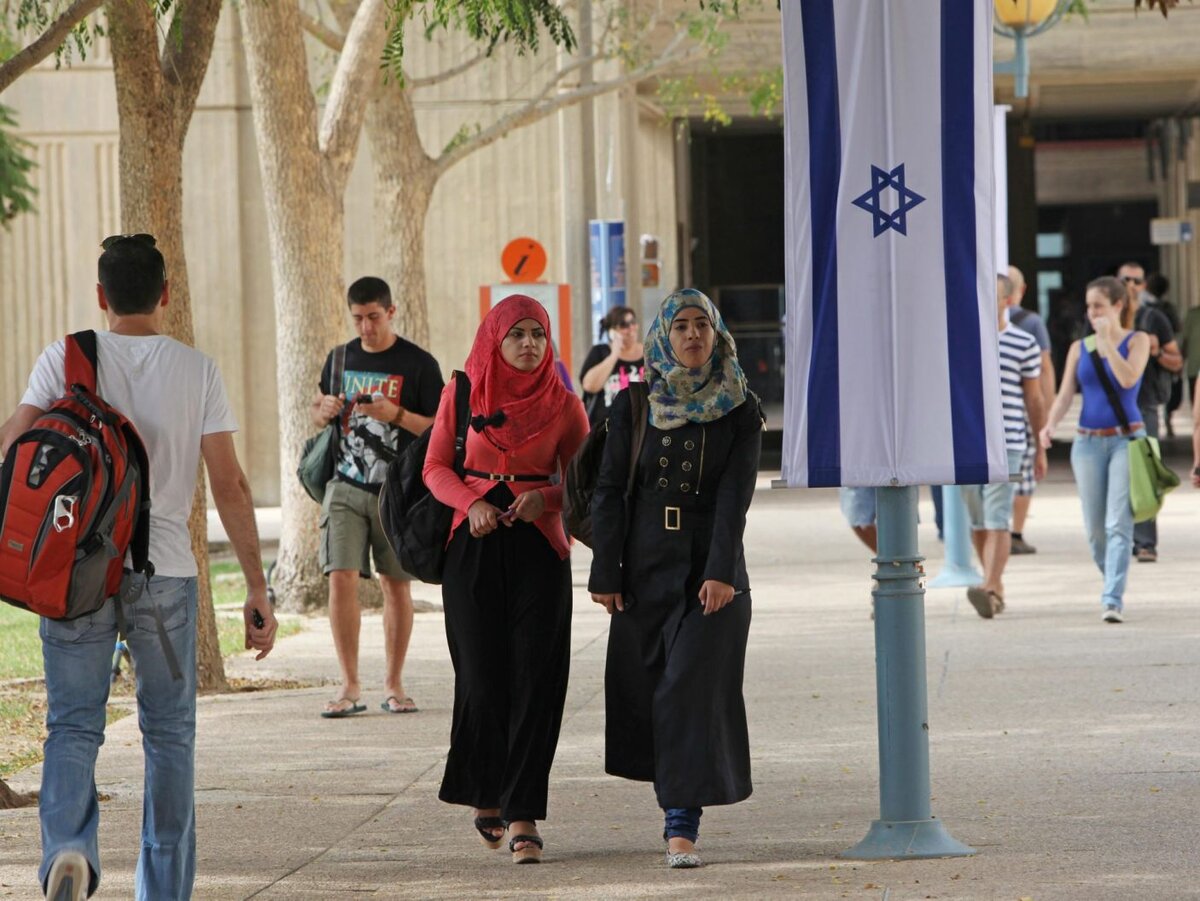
x: 990, y: 506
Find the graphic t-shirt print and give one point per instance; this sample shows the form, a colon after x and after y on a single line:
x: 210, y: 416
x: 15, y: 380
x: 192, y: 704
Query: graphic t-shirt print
x: 620, y: 379
x: 367, y: 444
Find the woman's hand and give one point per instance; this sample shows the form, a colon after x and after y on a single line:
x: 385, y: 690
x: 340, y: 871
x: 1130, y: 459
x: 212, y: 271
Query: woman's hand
x: 483, y: 517
x: 714, y: 595
x: 610, y: 602
x: 1103, y: 327
x: 528, y: 506
x: 1044, y: 438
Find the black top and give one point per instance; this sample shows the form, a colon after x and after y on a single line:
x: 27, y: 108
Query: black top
x: 1156, y: 382
x: 404, y: 374
x: 708, y: 471
x: 600, y: 402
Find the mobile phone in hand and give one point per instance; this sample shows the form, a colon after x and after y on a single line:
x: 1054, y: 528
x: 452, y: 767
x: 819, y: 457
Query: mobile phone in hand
x: 364, y: 399
x: 256, y: 618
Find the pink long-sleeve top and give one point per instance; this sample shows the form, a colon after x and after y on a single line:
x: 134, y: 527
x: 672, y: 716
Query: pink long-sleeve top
x: 549, y: 452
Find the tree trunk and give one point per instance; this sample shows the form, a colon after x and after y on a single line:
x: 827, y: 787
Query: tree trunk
x: 304, y: 216
x: 405, y: 177
x: 10, y: 799
x: 154, y: 113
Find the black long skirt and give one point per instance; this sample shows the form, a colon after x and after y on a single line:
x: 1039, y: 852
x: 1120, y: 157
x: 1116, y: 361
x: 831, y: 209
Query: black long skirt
x: 675, y: 715
x: 507, y: 600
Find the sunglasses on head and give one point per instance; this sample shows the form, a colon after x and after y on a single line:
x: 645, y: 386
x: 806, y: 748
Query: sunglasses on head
x: 108, y: 242
x: 1131, y: 280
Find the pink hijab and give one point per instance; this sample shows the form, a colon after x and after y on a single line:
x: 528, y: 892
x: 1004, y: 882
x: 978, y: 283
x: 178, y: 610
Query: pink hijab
x: 529, y: 401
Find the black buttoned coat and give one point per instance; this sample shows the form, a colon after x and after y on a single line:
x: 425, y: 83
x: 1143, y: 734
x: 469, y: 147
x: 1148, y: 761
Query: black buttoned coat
x: 673, y: 680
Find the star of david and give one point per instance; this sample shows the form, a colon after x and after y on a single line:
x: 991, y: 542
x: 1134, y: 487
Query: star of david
x: 871, y: 201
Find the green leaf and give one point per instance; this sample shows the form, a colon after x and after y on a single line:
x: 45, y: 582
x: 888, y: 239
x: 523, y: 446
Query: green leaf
x: 16, y: 191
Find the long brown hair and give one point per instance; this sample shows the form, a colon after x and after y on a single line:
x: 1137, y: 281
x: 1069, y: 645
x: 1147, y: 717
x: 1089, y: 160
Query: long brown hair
x: 1114, y: 289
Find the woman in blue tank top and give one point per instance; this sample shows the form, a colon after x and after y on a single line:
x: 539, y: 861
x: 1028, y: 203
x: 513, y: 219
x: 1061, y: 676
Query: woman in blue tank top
x: 1100, y: 453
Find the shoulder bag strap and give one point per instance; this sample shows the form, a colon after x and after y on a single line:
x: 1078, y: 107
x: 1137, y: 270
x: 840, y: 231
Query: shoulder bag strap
x: 81, y: 359
x: 1089, y: 344
x: 639, y: 410
x: 338, y: 369
x: 462, y: 418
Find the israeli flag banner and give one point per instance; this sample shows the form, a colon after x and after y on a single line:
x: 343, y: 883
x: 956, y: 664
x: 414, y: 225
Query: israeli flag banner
x: 893, y: 373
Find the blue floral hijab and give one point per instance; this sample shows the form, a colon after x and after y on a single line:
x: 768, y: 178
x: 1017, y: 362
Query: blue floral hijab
x: 679, y: 395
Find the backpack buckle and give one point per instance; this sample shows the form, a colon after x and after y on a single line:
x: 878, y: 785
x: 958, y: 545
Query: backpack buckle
x: 64, y: 512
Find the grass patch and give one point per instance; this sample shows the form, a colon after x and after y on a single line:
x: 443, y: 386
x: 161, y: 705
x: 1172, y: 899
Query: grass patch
x: 20, y: 647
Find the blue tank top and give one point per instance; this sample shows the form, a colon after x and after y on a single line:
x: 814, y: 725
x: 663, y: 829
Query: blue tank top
x: 1097, y: 411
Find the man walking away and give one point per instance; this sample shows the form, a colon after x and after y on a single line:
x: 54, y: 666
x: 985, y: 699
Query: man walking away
x: 176, y: 400
x: 389, y: 393
x: 1028, y: 321
x: 990, y: 506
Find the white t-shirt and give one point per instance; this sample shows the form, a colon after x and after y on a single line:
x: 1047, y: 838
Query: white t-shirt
x: 174, y: 395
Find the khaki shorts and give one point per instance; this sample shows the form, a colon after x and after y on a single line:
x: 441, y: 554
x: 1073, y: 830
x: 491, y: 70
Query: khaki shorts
x: 351, y: 532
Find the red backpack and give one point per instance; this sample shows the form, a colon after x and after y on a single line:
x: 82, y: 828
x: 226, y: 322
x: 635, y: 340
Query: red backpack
x: 74, y: 497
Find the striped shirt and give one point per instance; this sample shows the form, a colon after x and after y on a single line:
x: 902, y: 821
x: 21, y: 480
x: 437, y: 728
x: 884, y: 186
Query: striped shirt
x: 1020, y: 359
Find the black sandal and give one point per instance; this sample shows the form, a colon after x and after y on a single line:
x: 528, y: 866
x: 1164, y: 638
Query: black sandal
x: 486, y: 826
x: 531, y: 853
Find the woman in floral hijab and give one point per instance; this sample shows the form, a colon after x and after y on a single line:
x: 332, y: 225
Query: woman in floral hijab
x: 668, y: 565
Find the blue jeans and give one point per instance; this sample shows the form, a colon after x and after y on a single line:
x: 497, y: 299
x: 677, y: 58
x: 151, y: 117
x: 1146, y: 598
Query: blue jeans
x: 78, y: 656
x: 1101, y: 466
x: 682, y: 822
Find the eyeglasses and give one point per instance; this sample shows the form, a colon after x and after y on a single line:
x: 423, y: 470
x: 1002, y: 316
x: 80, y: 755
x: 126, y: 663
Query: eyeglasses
x: 628, y: 323
x: 1130, y: 280
x: 148, y: 240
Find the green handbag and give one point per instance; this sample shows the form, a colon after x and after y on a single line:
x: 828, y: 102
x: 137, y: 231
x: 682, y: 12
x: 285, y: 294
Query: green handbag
x: 318, y: 459
x: 1149, y: 477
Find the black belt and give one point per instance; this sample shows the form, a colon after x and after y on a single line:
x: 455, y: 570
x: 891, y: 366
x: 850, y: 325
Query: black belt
x: 505, y: 477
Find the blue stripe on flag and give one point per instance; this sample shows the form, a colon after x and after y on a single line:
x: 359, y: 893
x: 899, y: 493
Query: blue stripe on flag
x: 958, y: 237
x: 824, y: 170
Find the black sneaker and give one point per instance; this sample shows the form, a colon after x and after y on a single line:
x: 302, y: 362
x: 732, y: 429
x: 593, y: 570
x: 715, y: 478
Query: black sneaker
x: 1021, y: 546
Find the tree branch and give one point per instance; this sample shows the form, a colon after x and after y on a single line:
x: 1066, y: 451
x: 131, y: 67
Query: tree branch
x: 322, y: 32
x: 47, y: 43
x: 428, y: 80
x: 538, y: 108
x: 354, y: 83
x: 186, y: 55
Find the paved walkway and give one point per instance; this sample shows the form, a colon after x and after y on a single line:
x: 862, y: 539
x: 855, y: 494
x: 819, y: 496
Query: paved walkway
x: 1065, y: 750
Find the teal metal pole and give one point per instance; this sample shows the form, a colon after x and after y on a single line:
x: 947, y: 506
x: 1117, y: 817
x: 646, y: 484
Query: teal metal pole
x: 906, y: 828
x: 958, y: 570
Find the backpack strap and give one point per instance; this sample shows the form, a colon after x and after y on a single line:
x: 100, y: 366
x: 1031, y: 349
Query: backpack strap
x: 639, y: 410
x: 338, y: 369
x: 81, y: 366
x: 462, y: 418
x: 1089, y: 344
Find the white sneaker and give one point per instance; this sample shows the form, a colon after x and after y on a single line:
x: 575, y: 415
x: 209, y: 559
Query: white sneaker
x: 69, y: 877
x: 1112, y: 615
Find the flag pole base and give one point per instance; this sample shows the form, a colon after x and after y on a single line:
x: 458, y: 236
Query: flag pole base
x: 953, y: 576
x: 907, y: 840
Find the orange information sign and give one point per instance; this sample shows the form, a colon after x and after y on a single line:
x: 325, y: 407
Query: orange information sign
x: 524, y: 260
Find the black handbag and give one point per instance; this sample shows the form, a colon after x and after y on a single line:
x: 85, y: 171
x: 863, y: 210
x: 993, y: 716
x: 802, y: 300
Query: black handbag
x: 318, y: 459
x: 417, y: 524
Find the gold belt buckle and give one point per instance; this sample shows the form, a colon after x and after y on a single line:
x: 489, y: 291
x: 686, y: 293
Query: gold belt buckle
x: 667, y: 519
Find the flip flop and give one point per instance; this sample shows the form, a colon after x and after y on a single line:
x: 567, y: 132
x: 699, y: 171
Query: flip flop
x: 404, y: 705
x: 342, y: 712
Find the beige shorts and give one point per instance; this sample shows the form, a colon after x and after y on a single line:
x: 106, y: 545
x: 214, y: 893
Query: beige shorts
x: 351, y: 533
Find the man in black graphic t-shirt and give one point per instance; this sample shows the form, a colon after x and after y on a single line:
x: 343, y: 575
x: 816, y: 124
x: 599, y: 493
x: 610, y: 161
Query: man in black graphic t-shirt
x: 388, y: 395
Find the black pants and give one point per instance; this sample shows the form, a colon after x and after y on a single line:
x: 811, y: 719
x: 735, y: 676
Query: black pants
x: 507, y: 599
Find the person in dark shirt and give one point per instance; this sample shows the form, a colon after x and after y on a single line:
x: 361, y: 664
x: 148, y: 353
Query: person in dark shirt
x: 388, y: 395
x: 1165, y: 359
x: 608, y: 368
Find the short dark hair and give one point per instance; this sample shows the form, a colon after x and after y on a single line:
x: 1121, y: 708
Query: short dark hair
x: 370, y: 289
x: 614, y: 317
x: 1157, y: 285
x: 132, y: 274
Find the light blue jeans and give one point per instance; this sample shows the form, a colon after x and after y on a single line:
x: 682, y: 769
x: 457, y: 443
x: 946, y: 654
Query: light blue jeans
x: 78, y: 658
x: 1101, y: 466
